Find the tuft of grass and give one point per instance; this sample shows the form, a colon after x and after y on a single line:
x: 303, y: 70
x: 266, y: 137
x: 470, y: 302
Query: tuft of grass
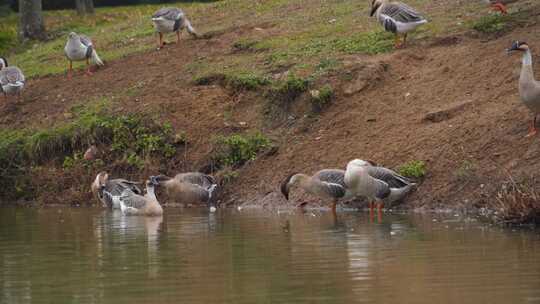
x: 236, y: 150
x: 490, y: 23
x: 518, y: 203
x: 368, y: 43
x: 289, y: 89
x: 414, y: 169
x: 235, y: 81
x: 322, y: 97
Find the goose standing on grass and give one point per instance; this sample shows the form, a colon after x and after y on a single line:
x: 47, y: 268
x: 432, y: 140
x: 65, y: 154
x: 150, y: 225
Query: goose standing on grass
x: 189, y: 188
x: 326, y: 184
x: 78, y: 48
x: 11, y: 80
x: 171, y: 19
x: 529, y: 88
x: 499, y: 5
x: 132, y: 203
x: 378, y: 184
x: 396, y: 17
x: 108, y: 191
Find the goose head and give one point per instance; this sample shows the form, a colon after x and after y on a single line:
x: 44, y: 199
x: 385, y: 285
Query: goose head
x: 73, y: 36
x: 287, y: 184
x: 3, y: 63
x: 359, y: 163
x: 518, y: 46
x: 375, y: 4
x: 157, y: 180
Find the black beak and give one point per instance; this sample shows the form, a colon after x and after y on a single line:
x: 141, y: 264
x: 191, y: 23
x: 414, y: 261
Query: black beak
x: 154, y: 181
x: 374, y: 9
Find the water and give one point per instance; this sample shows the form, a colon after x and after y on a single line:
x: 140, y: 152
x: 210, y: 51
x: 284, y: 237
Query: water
x: 189, y: 256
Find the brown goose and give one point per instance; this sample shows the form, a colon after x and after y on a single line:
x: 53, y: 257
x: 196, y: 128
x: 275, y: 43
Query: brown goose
x: 189, y: 188
x: 132, y: 203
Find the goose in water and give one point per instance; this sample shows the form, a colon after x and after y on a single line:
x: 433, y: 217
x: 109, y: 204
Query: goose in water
x: 108, y: 191
x: 132, y: 203
x: 189, y: 188
x: 500, y: 5
x: 78, y: 48
x: 326, y: 184
x: 377, y: 184
x: 171, y: 19
x: 529, y: 88
x: 11, y: 79
x: 396, y: 17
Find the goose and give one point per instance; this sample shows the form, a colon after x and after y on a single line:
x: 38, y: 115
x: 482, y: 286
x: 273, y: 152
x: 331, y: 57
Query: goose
x: 396, y: 17
x: 171, y: 19
x: 11, y: 79
x: 108, y: 191
x: 529, y: 88
x: 78, y: 48
x: 500, y: 5
x: 132, y: 203
x: 377, y: 184
x: 189, y: 188
x: 326, y: 184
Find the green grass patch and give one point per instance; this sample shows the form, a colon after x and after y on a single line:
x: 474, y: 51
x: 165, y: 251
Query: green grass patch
x: 414, y: 169
x: 235, y: 81
x: 490, y: 24
x: 368, y: 43
x: 236, y: 150
x: 289, y: 89
x: 322, y: 97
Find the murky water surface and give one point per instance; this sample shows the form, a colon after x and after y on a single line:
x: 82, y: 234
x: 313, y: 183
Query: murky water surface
x: 189, y: 256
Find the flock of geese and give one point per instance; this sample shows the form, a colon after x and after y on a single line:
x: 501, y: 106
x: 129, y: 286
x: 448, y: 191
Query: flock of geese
x: 360, y: 179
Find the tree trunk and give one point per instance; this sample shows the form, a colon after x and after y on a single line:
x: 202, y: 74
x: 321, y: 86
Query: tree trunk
x: 84, y: 7
x: 89, y: 6
x: 31, y: 24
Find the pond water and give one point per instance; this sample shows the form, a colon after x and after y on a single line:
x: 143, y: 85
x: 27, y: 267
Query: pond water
x: 189, y: 256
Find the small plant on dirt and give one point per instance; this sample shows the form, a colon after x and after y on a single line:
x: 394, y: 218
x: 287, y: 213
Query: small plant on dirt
x: 518, y: 202
x: 322, y: 97
x: 368, y: 43
x: 246, y: 45
x: 490, y: 24
x: 289, y: 89
x: 465, y: 171
x: 234, y: 81
x: 414, y: 169
x: 237, y: 149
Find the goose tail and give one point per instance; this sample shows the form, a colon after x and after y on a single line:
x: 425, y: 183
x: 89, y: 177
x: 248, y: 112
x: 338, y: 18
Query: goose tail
x: 96, y: 58
x: 398, y: 194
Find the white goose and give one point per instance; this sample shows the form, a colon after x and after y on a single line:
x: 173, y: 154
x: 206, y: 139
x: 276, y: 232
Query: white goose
x: 135, y: 204
x: 171, y: 19
x: 108, y: 191
x: 11, y: 79
x: 396, y: 17
x: 377, y: 184
x: 326, y: 184
x: 78, y: 48
x: 529, y: 88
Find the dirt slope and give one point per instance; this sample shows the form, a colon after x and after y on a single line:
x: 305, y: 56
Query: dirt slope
x: 451, y: 102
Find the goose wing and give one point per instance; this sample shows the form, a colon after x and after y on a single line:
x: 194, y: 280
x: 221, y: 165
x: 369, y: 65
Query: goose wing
x: 169, y: 13
x: 85, y: 40
x: 401, y: 12
x: 390, y: 177
x: 132, y: 200
x: 11, y: 74
x: 332, y: 182
x: 196, y: 178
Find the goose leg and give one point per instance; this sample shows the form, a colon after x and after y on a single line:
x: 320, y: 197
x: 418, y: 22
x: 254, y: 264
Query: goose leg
x: 379, y: 211
x: 500, y: 8
x: 5, y: 97
x: 178, y: 37
x: 334, y: 204
x: 160, y: 41
x: 404, y: 40
x: 70, y: 69
x: 396, y: 42
x: 532, y: 128
x: 88, y: 72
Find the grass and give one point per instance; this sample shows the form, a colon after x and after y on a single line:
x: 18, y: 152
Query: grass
x: 289, y: 89
x: 322, y: 97
x: 129, y: 138
x: 235, y: 81
x: 414, y: 169
x: 367, y: 43
x: 518, y: 202
x: 235, y: 150
x: 491, y: 23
